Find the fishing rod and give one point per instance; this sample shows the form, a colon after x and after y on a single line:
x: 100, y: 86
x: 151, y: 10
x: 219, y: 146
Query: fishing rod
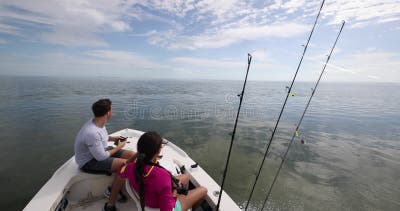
x: 234, y: 130
x: 296, y: 132
x: 283, y: 106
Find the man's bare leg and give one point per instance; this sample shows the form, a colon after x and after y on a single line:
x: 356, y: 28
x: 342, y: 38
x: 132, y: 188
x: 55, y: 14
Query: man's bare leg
x: 116, y: 187
x: 127, y: 154
x: 126, y: 157
x: 117, y: 162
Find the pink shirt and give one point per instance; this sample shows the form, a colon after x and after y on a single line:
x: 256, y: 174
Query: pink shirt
x: 157, y: 186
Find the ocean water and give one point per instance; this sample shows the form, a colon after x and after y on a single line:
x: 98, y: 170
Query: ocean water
x: 350, y: 159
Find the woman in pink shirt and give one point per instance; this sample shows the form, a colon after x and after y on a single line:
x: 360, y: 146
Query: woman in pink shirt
x: 152, y: 182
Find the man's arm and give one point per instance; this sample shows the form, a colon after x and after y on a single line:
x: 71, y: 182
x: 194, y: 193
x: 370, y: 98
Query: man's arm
x: 113, y: 138
x: 93, y: 142
x: 97, y: 150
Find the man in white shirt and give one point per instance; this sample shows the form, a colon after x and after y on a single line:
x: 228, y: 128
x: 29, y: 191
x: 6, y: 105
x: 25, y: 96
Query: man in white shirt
x: 92, y: 153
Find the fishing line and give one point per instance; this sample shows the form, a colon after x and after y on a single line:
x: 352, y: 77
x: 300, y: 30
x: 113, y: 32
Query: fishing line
x: 284, y: 104
x: 234, y: 130
x: 296, y: 132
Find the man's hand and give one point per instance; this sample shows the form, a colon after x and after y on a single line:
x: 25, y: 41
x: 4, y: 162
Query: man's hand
x: 120, y: 144
x: 115, y: 138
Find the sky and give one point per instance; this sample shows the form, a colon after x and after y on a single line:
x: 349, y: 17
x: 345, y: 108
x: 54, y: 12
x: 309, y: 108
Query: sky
x: 200, y: 39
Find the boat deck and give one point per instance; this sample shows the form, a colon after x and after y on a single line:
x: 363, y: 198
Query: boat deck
x: 98, y: 204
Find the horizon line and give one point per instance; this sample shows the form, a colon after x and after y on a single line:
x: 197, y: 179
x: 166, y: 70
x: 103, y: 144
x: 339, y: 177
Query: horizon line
x: 180, y: 79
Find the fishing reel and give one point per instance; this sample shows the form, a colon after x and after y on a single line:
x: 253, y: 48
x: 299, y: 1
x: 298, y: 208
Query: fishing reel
x: 182, y: 190
x: 120, y: 139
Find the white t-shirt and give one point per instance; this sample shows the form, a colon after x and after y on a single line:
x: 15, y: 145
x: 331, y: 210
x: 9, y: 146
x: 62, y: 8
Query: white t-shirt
x: 91, y: 142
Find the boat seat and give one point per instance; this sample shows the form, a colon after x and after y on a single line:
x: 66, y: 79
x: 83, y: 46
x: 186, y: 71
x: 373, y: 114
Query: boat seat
x: 85, y: 186
x: 83, y: 175
x: 132, y: 193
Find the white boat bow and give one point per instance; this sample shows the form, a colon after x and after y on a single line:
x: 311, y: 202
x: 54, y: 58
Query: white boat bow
x: 71, y: 189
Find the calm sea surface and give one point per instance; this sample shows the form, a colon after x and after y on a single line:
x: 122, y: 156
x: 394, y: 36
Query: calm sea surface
x: 350, y: 159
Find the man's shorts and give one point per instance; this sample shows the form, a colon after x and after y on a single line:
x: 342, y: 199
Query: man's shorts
x: 102, y: 167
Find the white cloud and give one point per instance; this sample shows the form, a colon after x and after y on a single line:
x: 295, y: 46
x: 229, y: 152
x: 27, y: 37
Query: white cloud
x: 293, y: 5
x: 89, y: 63
x: 362, y: 12
x: 370, y: 64
x: 197, y: 63
x: 65, y: 22
x: 123, y: 59
x: 225, y: 37
x: 373, y: 77
x: 220, y: 11
x: 358, y: 13
x: 337, y: 68
x: 70, y: 38
x: 194, y: 24
x: 231, y: 69
x: 146, y: 34
x: 366, y: 66
x: 79, y: 23
x: 225, y: 27
x: 177, y: 8
x: 260, y: 55
x: 7, y: 29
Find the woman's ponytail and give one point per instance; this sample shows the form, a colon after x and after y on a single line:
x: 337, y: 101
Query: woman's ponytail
x: 149, y: 144
x: 139, y: 172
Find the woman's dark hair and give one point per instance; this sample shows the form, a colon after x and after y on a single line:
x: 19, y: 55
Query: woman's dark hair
x: 148, y: 146
x: 101, y: 107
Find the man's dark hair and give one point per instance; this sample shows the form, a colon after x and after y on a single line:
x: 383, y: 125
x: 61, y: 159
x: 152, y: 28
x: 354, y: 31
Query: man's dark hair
x: 101, y: 107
